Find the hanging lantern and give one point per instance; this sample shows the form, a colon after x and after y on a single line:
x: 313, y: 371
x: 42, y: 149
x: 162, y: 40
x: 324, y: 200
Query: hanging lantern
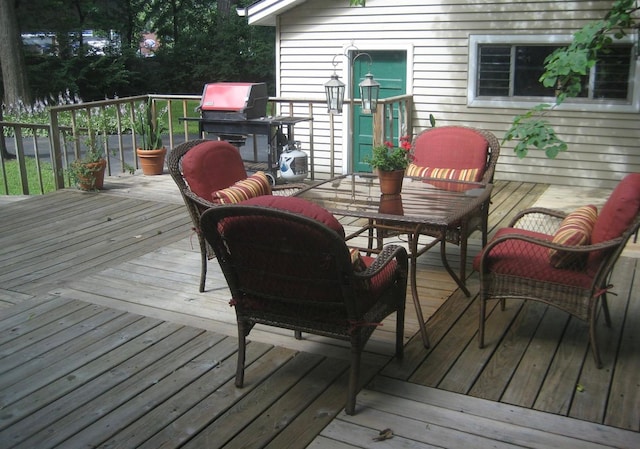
x: 369, y: 91
x: 334, y: 88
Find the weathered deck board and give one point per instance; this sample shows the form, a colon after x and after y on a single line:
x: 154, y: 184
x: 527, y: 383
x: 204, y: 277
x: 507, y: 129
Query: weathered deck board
x: 426, y: 416
x: 120, y: 349
x: 536, y: 357
x: 68, y: 234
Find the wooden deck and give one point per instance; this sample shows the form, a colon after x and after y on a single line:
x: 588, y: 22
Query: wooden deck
x: 106, y: 342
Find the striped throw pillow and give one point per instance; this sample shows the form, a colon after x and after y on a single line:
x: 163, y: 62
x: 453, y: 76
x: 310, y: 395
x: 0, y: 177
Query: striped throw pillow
x: 251, y: 187
x: 455, y: 174
x: 574, y: 230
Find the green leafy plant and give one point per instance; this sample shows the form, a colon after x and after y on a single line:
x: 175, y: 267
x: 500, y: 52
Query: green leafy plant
x: 83, y: 170
x: 388, y: 157
x: 531, y: 130
x: 565, y: 69
x: 149, y: 125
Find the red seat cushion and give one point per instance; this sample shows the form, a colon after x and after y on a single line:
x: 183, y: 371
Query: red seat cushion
x: 378, y: 283
x: 451, y: 147
x: 212, y: 165
x: 527, y: 260
x: 299, y: 206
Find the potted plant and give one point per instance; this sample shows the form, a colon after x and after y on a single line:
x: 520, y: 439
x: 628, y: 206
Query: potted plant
x: 150, y: 126
x: 390, y: 163
x: 87, y: 172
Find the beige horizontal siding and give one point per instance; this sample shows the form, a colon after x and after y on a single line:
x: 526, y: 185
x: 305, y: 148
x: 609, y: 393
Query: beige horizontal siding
x: 602, y: 146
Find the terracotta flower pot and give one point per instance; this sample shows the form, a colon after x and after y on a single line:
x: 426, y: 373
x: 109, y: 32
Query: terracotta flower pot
x: 391, y: 181
x: 94, y: 177
x: 152, y: 161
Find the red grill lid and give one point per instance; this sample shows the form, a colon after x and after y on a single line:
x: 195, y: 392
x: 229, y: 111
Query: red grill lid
x: 225, y: 96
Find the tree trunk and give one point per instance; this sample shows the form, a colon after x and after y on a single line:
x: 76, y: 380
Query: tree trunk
x: 223, y: 9
x: 14, y: 69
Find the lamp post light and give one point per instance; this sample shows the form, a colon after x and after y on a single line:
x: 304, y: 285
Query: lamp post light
x: 335, y: 89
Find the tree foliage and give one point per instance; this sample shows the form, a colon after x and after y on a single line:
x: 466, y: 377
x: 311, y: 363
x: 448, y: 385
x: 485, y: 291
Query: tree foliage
x: 197, y: 46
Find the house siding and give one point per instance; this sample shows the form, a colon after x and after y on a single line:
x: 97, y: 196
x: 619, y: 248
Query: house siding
x: 603, y: 146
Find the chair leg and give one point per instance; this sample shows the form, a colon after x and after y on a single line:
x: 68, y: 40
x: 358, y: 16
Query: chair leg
x: 605, y: 310
x: 400, y: 332
x: 485, y: 228
x: 242, y: 346
x: 354, y: 375
x: 203, y: 267
x: 593, y: 340
x: 483, y: 306
x: 463, y: 259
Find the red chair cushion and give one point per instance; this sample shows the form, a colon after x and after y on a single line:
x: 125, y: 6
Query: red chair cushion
x: 212, y: 165
x: 527, y: 260
x: 255, y: 185
x: 575, y: 229
x: 299, y: 206
x: 451, y: 147
x: 378, y: 283
x: 619, y: 210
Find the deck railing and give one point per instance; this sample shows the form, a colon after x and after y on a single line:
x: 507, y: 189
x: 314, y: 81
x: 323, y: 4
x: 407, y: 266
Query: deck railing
x: 49, y: 149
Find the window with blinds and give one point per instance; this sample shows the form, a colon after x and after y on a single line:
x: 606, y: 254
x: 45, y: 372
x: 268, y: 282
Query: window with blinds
x: 513, y: 71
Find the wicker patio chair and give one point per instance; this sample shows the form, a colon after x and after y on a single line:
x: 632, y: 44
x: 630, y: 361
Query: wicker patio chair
x: 453, y: 153
x: 291, y: 271
x: 211, y: 166
x: 564, y: 260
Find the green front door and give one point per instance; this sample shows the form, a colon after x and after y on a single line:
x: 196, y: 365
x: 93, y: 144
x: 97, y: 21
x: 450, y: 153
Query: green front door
x: 389, y: 68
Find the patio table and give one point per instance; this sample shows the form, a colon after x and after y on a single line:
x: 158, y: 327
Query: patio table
x: 423, y: 204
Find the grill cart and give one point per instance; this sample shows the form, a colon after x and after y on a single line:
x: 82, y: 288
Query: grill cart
x: 233, y: 111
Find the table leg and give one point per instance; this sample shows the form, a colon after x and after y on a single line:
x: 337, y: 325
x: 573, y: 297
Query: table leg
x: 413, y: 256
x: 445, y: 262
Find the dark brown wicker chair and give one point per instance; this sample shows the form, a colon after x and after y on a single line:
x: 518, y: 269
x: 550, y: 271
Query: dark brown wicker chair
x: 222, y: 168
x: 287, y: 270
x: 459, y: 147
x: 522, y: 261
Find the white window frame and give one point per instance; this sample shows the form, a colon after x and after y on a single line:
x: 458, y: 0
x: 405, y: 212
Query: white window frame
x: 570, y: 104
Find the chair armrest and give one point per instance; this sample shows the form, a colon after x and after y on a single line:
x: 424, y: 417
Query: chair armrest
x: 287, y: 189
x: 577, y: 249
x: 197, y: 199
x: 388, y: 253
x: 538, y: 219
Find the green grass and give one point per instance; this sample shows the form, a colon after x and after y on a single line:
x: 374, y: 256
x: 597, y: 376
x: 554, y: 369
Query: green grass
x: 177, y: 113
x: 15, y: 184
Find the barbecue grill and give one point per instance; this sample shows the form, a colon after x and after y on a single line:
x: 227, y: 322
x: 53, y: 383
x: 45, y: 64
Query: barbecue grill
x: 233, y: 101
x: 233, y: 111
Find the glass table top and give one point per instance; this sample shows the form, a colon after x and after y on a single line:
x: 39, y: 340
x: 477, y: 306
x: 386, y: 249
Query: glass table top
x: 422, y: 200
